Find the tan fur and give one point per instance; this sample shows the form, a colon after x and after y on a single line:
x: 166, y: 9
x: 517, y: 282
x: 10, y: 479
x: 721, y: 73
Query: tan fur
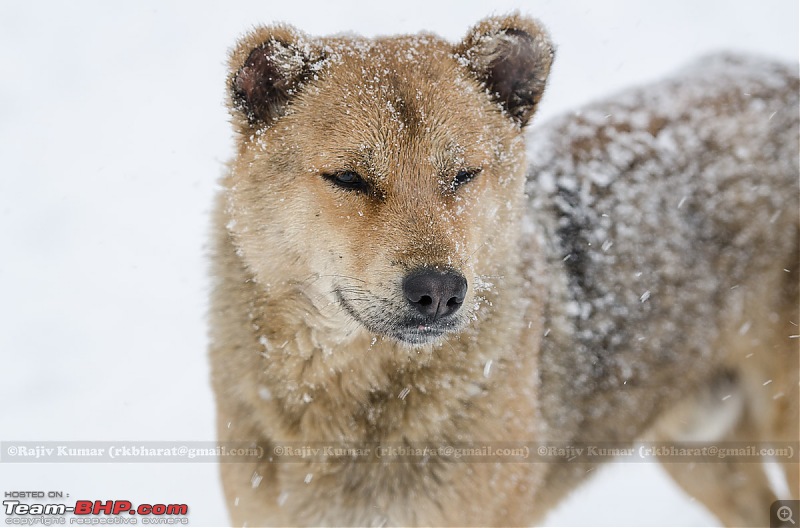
x: 308, y: 343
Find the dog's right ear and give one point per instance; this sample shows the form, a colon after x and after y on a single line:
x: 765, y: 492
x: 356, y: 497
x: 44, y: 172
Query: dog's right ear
x: 268, y: 67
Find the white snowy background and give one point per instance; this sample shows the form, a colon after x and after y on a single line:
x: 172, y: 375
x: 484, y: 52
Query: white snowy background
x: 113, y: 133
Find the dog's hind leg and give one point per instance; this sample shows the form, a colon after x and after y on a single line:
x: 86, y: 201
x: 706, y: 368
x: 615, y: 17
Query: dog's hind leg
x: 734, y: 488
x: 770, y: 372
x: 785, y: 417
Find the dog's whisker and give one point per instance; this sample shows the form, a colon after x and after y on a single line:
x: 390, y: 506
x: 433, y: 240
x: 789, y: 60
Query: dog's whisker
x: 469, y: 257
x: 344, y: 277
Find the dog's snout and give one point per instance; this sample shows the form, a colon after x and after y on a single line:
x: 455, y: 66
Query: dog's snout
x: 435, y: 293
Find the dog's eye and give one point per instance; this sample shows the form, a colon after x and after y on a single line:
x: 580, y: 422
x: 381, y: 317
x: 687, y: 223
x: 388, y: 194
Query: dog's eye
x: 464, y: 176
x: 348, y: 180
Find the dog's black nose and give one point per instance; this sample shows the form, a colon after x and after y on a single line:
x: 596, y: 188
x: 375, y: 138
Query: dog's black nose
x: 435, y: 293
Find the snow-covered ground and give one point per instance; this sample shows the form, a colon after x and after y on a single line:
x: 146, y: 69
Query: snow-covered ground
x: 113, y: 133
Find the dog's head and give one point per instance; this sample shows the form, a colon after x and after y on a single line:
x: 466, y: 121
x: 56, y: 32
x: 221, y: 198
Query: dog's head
x: 381, y: 180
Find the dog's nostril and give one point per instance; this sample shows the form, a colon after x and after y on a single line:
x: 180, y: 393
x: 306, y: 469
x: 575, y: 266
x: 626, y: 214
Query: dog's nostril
x: 435, y: 293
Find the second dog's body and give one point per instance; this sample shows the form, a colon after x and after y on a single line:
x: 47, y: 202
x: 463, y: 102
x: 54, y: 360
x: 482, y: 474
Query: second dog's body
x: 386, y: 274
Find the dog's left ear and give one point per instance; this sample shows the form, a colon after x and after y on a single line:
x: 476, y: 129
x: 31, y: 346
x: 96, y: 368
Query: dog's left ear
x: 511, y: 58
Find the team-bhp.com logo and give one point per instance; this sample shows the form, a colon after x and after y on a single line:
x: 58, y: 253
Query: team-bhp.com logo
x: 96, y: 508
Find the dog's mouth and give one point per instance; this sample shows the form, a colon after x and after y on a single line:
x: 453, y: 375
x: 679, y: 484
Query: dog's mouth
x: 421, y: 334
x: 396, y: 323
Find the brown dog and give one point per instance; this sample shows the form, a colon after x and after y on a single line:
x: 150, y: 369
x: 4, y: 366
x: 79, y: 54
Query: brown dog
x: 387, y: 276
